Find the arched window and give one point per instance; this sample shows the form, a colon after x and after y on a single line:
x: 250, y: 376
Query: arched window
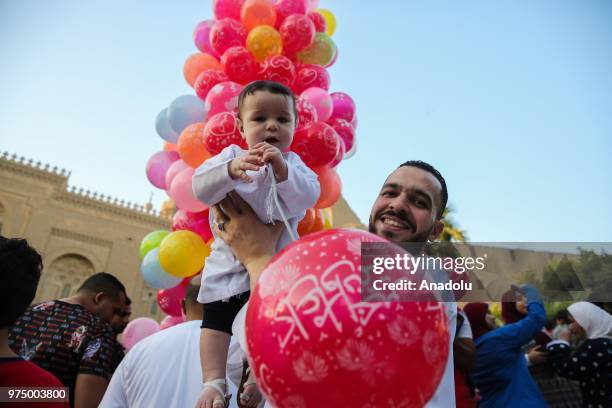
x: 63, y: 277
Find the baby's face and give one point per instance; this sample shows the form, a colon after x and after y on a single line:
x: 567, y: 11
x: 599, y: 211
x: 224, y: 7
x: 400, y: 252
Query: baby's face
x: 267, y: 117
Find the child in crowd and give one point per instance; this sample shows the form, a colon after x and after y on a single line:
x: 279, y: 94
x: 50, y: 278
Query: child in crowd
x: 267, y: 117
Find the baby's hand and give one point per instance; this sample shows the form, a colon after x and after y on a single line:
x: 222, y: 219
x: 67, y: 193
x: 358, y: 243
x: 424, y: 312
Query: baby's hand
x: 272, y: 154
x: 238, y: 167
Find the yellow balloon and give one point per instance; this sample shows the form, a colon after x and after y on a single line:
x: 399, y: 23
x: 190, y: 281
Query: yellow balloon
x: 330, y: 21
x: 328, y: 218
x: 264, y: 41
x: 183, y: 253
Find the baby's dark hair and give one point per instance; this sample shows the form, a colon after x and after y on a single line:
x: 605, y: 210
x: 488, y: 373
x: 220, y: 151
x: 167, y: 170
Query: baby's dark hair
x: 269, y: 86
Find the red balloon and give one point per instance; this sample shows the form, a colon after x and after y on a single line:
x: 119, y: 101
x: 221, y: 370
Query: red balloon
x: 227, y: 33
x: 278, y: 68
x: 317, y: 144
x: 339, y: 156
x: 308, y: 330
x: 169, y: 300
x: 207, y: 79
x: 318, y: 21
x: 285, y: 8
x: 196, y: 222
x: 297, y: 33
x: 221, y: 131
x: 331, y: 186
x: 227, y: 8
x: 307, y: 113
x: 345, y: 130
x: 311, y: 76
x: 239, y: 65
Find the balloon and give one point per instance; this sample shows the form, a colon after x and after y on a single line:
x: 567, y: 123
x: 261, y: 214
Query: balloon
x: 163, y: 128
x: 345, y: 130
x: 174, y: 169
x: 331, y: 186
x: 330, y: 21
x: 354, y: 122
x: 340, y: 154
x: 227, y: 8
x: 196, y: 64
x: 183, y: 253
x: 278, y: 68
x: 137, y: 330
x: 320, y: 52
x: 227, y: 33
x: 157, y: 166
x: 154, y: 274
x: 334, y: 58
x: 151, y: 241
x: 195, y: 222
x: 239, y: 65
x: 350, y: 153
x: 307, y: 114
x: 257, y: 12
x: 321, y: 100
x: 319, y: 223
x: 297, y: 33
x: 207, y: 80
x: 170, y: 321
x: 263, y: 42
x: 318, y: 21
x: 201, y: 37
x: 181, y: 192
x: 191, y: 145
x: 311, y: 76
x: 184, y: 111
x: 222, y: 97
x: 344, y: 107
x: 222, y: 131
x: 317, y: 144
x: 306, y: 223
x: 169, y: 147
x: 285, y: 8
x: 312, y: 5
x: 307, y: 329
x: 169, y: 300
x: 328, y: 218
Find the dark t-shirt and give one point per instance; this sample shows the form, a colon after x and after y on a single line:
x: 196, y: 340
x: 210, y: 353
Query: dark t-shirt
x: 16, y: 372
x: 66, y: 340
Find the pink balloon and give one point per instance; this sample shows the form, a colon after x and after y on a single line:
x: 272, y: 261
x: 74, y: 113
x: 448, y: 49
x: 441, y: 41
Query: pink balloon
x: 174, y: 169
x: 223, y: 97
x: 137, y: 330
x: 312, y: 5
x: 339, y: 156
x: 196, y: 222
x: 157, y: 167
x: 285, y: 8
x: 227, y: 8
x: 307, y: 113
x: 227, y: 33
x: 170, y: 321
x: 181, y: 193
x: 343, y: 106
x: 201, y: 37
x: 309, y: 76
x: 321, y: 100
x: 169, y: 300
x: 345, y: 130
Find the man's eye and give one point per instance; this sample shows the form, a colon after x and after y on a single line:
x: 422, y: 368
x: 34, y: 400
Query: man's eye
x: 387, y: 194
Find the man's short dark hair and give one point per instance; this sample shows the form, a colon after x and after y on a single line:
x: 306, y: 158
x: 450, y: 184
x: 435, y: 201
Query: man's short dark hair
x: 269, y: 86
x: 431, y: 169
x: 103, y: 282
x: 20, y: 270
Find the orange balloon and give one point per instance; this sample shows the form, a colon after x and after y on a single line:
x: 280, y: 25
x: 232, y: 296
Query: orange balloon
x: 257, y: 12
x: 191, y: 146
x: 264, y: 41
x: 319, y: 222
x: 331, y: 185
x: 328, y: 218
x: 169, y: 147
x: 196, y: 64
x: 305, y: 225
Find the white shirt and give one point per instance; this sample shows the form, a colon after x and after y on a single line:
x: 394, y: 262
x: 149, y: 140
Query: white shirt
x: 223, y: 274
x: 162, y: 370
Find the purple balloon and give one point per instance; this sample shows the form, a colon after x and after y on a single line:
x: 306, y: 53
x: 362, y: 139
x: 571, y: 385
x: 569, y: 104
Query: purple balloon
x: 158, y: 165
x: 201, y: 38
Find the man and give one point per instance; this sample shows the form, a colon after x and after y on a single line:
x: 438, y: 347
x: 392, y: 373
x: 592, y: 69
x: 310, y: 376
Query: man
x: 72, y: 338
x: 162, y: 370
x: 20, y: 269
x: 118, y: 324
x: 408, y: 208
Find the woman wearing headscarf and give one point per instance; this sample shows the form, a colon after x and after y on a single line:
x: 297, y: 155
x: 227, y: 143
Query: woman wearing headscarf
x: 591, y: 361
x: 500, y: 373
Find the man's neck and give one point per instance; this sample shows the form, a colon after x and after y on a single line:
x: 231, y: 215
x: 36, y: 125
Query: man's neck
x: 5, y: 350
x: 76, y: 299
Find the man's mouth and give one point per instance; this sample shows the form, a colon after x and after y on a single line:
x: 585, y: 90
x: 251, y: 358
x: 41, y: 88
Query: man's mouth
x: 395, y: 222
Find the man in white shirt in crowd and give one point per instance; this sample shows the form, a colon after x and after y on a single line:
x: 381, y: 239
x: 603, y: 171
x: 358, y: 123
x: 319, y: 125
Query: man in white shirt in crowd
x: 164, y: 369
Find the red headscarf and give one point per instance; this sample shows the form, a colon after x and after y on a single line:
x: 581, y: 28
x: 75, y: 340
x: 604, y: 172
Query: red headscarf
x: 476, y: 313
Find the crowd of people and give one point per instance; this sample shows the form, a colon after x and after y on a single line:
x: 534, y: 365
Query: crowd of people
x: 72, y: 342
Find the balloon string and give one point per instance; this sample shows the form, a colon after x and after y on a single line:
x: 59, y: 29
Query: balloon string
x: 278, y: 205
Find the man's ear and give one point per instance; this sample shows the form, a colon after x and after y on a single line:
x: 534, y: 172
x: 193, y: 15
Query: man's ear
x: 99, y: 297
x: 437, y: 230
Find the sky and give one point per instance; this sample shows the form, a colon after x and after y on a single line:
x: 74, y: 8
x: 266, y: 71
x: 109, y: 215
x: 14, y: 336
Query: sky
x: 510, y: 100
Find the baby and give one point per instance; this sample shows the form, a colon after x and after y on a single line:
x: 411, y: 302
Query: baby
x: 267, y: 117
